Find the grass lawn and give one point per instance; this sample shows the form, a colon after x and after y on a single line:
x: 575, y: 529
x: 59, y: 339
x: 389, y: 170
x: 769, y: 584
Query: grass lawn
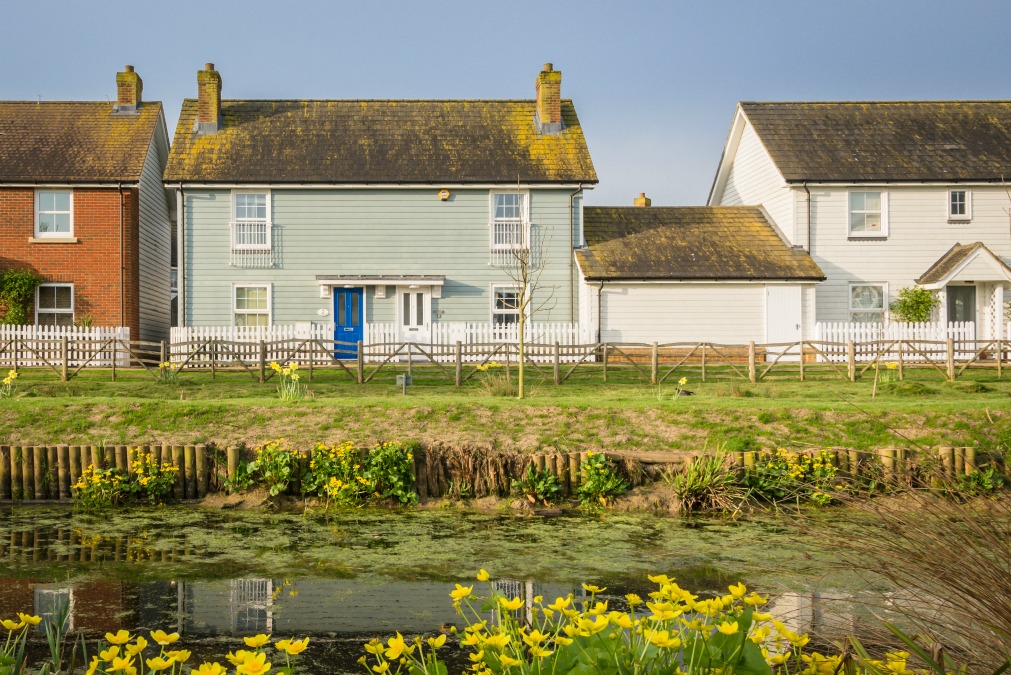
x: 624, y: 413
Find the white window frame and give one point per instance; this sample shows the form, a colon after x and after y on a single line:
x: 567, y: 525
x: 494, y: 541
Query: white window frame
x: 968, y: 204
x: 235, y: 223
x: 524, y: 221
x: 253, y: 284
x: 73, y: 302
x: 38, y: 211
x: 497, y: 312
x: 851, y: 310
x: 883, y: 234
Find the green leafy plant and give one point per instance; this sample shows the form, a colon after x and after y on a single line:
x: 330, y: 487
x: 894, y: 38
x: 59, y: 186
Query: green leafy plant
x: 241, y: 480
x: 289, y: 387
x: 17, y: 292
x: 146, y: 481
x: 9, y: 385
x: 390, y: 472
x: 600, y: 481
x: 336, y: 473
x: 276, y: 466
x: 706, y: 483
x: 168, y: 373
x: 784, y: 475
x: 914, y: 304
x: 978, y: 483
x: 537, y: 485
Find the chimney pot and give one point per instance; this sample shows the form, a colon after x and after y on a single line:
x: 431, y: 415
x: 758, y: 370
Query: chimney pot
x: 642, y: 200
x: 208, y: 100
x: 128, y: 91
x: 548, y: 114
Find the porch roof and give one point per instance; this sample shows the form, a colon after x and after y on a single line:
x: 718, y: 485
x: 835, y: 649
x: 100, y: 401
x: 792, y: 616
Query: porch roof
x: 381, y: 279
x: 965, y: 262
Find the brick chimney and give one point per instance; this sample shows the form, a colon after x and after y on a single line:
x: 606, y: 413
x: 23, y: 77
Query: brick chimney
x: 642, y: 200
x: 129, y: 87
x: 208, y: 100
x: 548, y: 116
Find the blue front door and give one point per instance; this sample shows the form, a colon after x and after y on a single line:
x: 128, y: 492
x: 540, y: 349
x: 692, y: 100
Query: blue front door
x: 349, y: 314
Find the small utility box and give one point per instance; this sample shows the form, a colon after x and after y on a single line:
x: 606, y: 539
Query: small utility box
x: 404, y: 381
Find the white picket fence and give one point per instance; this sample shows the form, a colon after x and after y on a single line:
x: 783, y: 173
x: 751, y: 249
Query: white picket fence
x: 381, y: 340
x: 871, y: 338
x: 34, y: 346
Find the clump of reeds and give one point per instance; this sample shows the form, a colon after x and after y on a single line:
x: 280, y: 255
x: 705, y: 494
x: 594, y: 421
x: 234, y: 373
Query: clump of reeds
x: 706, y: 483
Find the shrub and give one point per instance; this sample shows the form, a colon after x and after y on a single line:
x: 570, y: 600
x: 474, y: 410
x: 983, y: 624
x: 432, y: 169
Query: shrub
x: 17, y: 292
x: 789, y: 476
x: 537, y: 485
x: 706, y: 484
x: 915, y: 305
x: 600, y: 481
x: 276, y: 466
x: 336, y: 473
x: 390, y: 472
x: 147, y: 481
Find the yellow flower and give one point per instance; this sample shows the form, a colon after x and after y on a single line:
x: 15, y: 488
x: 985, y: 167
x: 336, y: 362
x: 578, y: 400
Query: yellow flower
x: 483, y: 575
x: 179, y: 655
x: 29, y: 619
x: 122, y: 663
x: 738, y: 591
x: 511, y: 605
x: 382, y: 667
x: 727, y: 627
x: 540, y: 652
x: 210, y: 669
x: 11, y: 626
x: 397, y: 646
x: 461, y: 592
x: 593, y: 589
x: 275, y: 366
x: 93, y: 668
x: 436, y: 642
x: 239, y: 657
x: 500, y: 641
x: 633, y: 599
x: 683, y: 381
x: 159, y: 663
x: 508, y: 661
x: 109, y: 654
x: 163, y: 638
x: 256, y: 641
x: 120, y: 637
x: 292, y: 647
x: 663, y: 639
x: 255, y: 665
x: 137, y: 648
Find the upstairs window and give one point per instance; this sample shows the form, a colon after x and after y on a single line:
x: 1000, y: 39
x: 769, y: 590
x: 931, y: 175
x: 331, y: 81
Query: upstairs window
x: 868, y: 214
x: 250, y: 221
x: 252, y: 305
x: 867, y: 303
x: 54, y: 305
x: 509, y: 221
x: 959, y: 205
x: 54, y: 213
x: 505, y: 308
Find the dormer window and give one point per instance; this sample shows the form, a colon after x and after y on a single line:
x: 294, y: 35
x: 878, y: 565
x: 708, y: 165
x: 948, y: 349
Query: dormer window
x: 959, y: 204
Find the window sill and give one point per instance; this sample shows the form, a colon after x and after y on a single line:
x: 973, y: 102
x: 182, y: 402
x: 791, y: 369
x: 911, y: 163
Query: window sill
x: 959, y: 221
x: 53, y: 240
x: 868, y: 237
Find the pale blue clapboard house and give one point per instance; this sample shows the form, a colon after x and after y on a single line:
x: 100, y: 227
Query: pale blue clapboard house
x: 376, y: 219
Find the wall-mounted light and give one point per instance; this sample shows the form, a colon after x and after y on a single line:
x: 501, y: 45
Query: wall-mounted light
x: 444, y: 194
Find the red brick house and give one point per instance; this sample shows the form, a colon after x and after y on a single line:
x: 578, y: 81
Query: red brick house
x: 82, y: 205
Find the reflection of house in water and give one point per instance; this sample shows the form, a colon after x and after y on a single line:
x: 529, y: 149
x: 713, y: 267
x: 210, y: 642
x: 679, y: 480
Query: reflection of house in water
x: 52, y: 600
x: 825, y: 614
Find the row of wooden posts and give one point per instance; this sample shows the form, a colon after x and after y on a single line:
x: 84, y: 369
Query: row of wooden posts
x: 67, y: 545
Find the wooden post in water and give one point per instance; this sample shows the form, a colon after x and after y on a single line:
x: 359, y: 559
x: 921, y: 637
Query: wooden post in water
x: 574, y: 471
x: 17, y: 469
x: 28, y: 471
x: 178, y: 461
x: 752, y: 369
x: 190, y: 467
x: 5, y: 472
x: 844, y: 462
x: 654, y: 364
x: 950, y: 348
x: 562, y: 469
x: 203, y: 471
x: 75, y: 464
x: 63, y: 470
x: 52, y: 475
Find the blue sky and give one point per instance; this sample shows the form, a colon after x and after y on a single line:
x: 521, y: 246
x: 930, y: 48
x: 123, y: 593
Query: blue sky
x: 655, y: 83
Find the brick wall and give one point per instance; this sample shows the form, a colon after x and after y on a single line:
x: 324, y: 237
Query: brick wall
x: 93, y: 263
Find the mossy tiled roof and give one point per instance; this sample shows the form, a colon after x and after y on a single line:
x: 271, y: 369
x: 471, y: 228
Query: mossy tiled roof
x: 688, y: 243
x: 886, y: 141
x: 955, y: 256
x: 379, y: 142
x: 73, y: 141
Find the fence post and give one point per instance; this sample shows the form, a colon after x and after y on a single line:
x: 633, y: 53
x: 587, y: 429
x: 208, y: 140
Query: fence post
x: 162, y: 353
x: 312, y: 354
x: 64, y: 355
x: 1000, y: 358
x: 703, y: 361
x: 851, y: 360
x: 214, y: 359
x: 900, y: 364
x: 115, y: 353
x: 558, y: 363
x: 801, y: 361
x: 361, y: 362
x: 752, y: 377
x: 951, y: 358
x: 459, y: 364
x: 263, y: 361
x: 605, y: 362
x: 654, y: 363
x: 17, y: 352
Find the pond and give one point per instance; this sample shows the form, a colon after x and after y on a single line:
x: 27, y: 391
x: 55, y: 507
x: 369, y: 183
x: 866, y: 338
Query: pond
x: 343, y: 577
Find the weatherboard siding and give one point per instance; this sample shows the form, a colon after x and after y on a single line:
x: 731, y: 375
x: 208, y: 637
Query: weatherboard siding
x: 369, y: 232
x: 754, y: 180
x: 918, y: 234
x: 155, y: 249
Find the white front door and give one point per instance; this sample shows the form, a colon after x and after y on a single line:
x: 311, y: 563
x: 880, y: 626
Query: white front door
x: 414, y: 314
x: 782, y: 318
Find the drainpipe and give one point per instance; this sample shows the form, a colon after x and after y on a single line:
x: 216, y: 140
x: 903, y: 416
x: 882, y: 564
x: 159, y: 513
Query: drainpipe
x: 122, y: 265
x: 180, y: 258
x: 572, y: 256
x: 600, y: 291
x: 808, y: 237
